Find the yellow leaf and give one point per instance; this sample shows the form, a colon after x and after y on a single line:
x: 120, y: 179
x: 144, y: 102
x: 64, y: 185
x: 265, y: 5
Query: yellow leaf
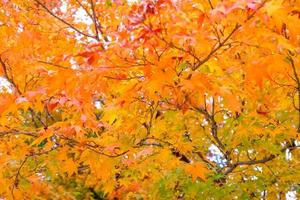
x: 44, y: 135
x: 273, y: 6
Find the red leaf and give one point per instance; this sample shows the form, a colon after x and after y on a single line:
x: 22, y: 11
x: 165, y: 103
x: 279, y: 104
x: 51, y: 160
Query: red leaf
x: 200, y: 19
x: 52, y: 106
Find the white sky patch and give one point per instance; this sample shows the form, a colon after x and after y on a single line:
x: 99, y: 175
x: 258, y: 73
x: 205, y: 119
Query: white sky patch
x: 216, y: 156
x: 81, y: 16
x: 98, y: 104
x: 133, y: 1
x: 74, y: 64
x: 288, y: 155
x: 258, y: 168
x: 20, y: 28
x: 64, y: 7
x: 5, y: 85
x: 291, y: 195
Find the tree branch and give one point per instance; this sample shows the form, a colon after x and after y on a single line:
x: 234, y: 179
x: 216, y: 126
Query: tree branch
x: 210, y: 4
x: 214, y: 129
x: 16, y: 180
x: 93, y: 148
x: 9, y: 78
x: 248, y: 162
x: 261, y: 161
x: 124, y: 78
x: 85, y: 9
x: 65, y: 22
x: 15, y: 132
x: 218, y: 45
x: 53, y: 64
x: 97, y: 24
x: 297, y: 80
x: 176, y: 152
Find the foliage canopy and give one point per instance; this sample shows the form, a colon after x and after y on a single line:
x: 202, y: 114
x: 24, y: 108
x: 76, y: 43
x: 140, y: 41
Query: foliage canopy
x: 156, y: 99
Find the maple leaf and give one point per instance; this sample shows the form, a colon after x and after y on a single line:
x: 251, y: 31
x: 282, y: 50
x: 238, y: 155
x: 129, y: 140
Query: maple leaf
x: 140, y: 99
x: 197, y: 170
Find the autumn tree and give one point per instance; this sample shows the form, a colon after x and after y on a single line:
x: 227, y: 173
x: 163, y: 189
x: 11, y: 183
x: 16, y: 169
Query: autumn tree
x: 150, y: 99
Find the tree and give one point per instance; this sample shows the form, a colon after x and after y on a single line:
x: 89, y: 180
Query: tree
x: 153, y: 99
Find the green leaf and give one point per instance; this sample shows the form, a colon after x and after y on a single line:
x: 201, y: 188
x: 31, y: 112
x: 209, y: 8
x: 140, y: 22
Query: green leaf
x: 108, y: 3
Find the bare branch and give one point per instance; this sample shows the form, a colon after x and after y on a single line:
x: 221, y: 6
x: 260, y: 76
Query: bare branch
x: 16, y: 180
x: 95, y: 20
x: 124, y: 78
x: 260, y: 161
x: 214, y: 130
x: 65, y: 22
x: 15, y: 132
x: 297, y: 80
x: 9, y: 78
x: 85, y: 9
x: 219, y: 45
x: 53, y: 64
x: 216, y: 47
x: 248, y: 162
x: 210, y: 4
x: 92, y: 147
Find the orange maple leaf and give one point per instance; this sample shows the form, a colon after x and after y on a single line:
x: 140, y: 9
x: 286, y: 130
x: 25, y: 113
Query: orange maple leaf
x: 197, y: 170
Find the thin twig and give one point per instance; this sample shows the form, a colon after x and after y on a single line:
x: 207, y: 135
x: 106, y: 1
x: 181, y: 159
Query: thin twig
x: 97, y: 24
x: 297, y: 80
x: 53, y: 64
x: 9, y: 78
x: 218, y: 45
x: 254, y: 162
x: 65, y: 22
x: 124, y: 78
x: 15, y: 132
x: 210, y: 4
